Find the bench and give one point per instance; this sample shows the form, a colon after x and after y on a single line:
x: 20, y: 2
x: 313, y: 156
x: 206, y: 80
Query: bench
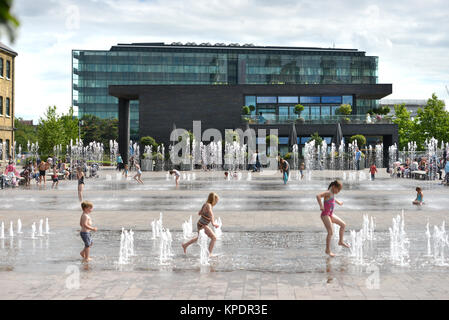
x: 419, y: 174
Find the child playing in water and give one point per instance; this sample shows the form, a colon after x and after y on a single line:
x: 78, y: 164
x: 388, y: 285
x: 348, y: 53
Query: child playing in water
x: 177, y: 175
x: 138, y: 175
x: 301, y: 170
x: 419, y: 197
x: 373, y: 171
x: 86, y: 227
x: 327, y: 215
x: 207, y: 216
x: 125, y: 171
x: 285, y: 169
x: 55, y: 177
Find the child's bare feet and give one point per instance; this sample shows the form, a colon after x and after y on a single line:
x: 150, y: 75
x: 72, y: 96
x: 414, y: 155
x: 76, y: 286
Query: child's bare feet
x: 184, y: 248
x: 331, y: 254
x: 344, y: 244
x: 82, y: 254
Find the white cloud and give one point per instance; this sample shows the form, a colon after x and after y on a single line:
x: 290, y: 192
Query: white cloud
x: 410, y: 38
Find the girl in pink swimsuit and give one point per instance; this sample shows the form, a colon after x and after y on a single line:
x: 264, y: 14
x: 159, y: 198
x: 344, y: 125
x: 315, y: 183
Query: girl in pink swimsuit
x: 327, y: 215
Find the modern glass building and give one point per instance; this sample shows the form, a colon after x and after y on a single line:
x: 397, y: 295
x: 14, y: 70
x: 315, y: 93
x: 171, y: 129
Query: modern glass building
x: 94, y: 71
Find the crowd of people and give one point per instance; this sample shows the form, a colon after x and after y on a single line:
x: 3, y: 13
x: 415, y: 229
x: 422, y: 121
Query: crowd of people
x: 38, y: 171
x: 432, y: 169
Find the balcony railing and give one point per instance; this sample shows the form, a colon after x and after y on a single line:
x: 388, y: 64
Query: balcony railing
x: 343, y: 119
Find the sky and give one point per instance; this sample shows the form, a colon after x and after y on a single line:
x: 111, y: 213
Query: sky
x: 411, y: 38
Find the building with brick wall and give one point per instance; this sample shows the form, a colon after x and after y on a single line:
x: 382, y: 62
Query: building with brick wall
x: 7, y: 102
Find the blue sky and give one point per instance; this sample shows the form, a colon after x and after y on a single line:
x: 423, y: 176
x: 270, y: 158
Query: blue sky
x: 410, y: 37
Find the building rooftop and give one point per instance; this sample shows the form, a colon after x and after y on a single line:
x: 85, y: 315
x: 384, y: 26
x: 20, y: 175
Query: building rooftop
x: 7, y: 49
x: 230, y: 46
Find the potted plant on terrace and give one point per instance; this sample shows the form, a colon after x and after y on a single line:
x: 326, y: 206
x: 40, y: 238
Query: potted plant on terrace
x: 345, y: 109
x: 299, y: 108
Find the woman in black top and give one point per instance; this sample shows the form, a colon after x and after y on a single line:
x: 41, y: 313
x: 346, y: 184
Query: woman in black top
x: 80, y: 177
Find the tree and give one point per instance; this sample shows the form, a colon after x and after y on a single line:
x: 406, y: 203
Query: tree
x: 315, y: 137
x: 23, y: 134
x: 252, y: 108
x: 99, y: 130
x: 361, y: 140
x: 50, y: 132
x: 245, y: 110
x: 433, y: 120
x: 8, y: 22
x: 406, y: 126
x: 149, y: 141
x: 70, y: 125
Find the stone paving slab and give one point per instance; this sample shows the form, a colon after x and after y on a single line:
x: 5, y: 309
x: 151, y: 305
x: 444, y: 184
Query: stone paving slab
x: 234, y: 285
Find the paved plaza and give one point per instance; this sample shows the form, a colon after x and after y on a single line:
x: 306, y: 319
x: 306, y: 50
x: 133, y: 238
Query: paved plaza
x: 256, y: 209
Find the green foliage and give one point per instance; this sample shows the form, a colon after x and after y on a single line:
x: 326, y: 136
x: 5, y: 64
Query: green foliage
x: 406, y: 126
x: 245, y: 110
x: 316, y: 137
x: 23, y: 134
x: 345, y: 109
x: 361, y: 140
x: 149, y: 141
x: 252, y: 108
x: 99, y: 130
x: 432, y: 121
x: 54, y: 129
x: 8, y: 22
x: 288, y: 156
x: 382, y: 111
x: 298, y: 109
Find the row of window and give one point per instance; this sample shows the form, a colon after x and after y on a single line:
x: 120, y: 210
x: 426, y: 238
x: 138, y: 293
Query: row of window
x: 7, y: 106
x: 288, y: 112
x: 254, y: 100
x: 8, y: 68
x: 211, y: 58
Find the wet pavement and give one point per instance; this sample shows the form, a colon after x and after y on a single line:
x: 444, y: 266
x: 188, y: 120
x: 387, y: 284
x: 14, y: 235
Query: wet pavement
x: 272, y: 245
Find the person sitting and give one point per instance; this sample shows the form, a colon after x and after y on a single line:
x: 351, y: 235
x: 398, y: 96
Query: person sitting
x: 262, y: 119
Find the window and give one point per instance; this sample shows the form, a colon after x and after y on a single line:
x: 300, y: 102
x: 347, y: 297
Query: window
x: 283, y: 113
x: 8, y: 69
x: 325, y: 110
x: 327, y: 99
x: 251, y: 101
x: 1, y: 67
x: 334, y: 110
x: 8, y: 108
x: 266, y: 100
x: 283, y: 140
x: 309, y: 100
x: 304, y: 140
x: 1, y: 105
x: 314, y: 112
x: 2, y: 151
x: 347, y: 100
x: 288, y: 99
x: 306, y: 112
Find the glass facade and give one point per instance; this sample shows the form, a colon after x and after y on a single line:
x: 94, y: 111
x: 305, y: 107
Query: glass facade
x: 156, y: 63
x: 315, y: 107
